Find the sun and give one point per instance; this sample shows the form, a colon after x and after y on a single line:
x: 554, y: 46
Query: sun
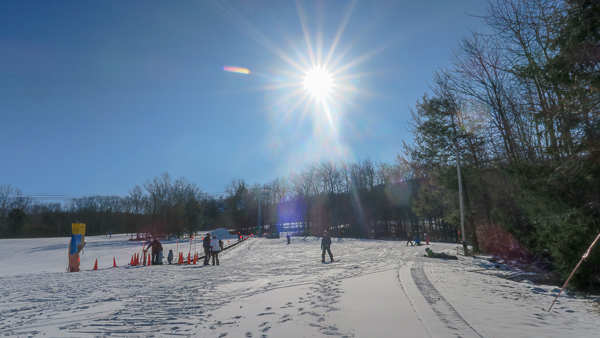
x: 318, y: 82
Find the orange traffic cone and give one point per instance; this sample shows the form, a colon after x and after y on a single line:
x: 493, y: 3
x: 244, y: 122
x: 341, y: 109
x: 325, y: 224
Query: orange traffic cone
x: 188, y: 258
x: 96, y: 265
x: 131, y: 263
x: 149, y: 259
x: 195, y: 258
x: 114, y: 263
x: 180, y: 259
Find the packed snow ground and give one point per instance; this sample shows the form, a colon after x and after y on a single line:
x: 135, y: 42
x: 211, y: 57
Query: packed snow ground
x: 266, y: 288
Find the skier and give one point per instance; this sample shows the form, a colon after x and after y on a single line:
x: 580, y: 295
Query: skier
x: 170, y: 256
x: 206, y: 246
x: 214, y: 250
x: 221, y: 244
x: 442, y: 255
x: 288, y: 238
x: 325, y: 246
x: 156, y: 248
x: 408, y: 240
x: 427, y: 239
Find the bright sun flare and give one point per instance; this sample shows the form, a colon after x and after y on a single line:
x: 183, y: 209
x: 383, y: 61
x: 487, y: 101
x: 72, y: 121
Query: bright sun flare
x: 318, y: 82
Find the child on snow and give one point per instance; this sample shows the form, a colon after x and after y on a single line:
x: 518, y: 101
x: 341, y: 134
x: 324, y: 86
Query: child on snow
x: 417, y: 241
x: 170, y: 256
x: 443, y: 255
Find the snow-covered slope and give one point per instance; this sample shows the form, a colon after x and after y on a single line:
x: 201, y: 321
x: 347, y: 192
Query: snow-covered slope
x: 266, y: 288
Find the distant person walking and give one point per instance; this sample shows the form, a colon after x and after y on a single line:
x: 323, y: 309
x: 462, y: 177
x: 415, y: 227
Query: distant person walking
x: 206, y: 246
x: 156, y: 248
x: 326, y: 247
x: 288, y: 238
x: 221, y: 244
x: 408, y: 241
x: 427, y: 239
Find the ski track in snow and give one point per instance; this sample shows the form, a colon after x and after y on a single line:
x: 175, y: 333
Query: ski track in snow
x: 267, y: 288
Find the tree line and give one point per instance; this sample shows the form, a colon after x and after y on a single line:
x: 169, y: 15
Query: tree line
x: 364, y: 200
x: 518, y: 109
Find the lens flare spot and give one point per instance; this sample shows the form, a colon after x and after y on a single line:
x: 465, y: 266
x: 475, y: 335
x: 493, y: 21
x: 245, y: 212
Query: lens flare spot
x: 238, y: 70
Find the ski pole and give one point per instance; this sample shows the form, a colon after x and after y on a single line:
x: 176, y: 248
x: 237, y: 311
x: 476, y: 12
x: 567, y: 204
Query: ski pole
x: 572, y: 273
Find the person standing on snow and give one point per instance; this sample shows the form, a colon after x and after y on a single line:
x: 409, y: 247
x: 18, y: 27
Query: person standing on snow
x: 156, y: 248
x: 408, y: 240
x: 170, y: 256
x: 288, y: 238
x: 214, y: 250
x: 221, y: 244
x: 206, y: 246
x: 325, y: 246
x: 427, y: 239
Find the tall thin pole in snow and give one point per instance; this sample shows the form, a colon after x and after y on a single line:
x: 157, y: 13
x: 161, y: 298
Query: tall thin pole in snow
x: 460, y: 196
x: 572, y: 273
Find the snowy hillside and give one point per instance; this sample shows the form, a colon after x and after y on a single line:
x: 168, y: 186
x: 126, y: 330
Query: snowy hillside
x: 266, y: 288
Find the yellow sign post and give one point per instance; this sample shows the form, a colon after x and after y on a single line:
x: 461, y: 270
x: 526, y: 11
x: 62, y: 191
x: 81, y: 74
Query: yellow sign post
x: 79, y: 232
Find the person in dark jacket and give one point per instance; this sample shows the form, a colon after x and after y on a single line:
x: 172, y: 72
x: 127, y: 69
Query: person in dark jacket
x: 156, y: 248
x: 288, y: 238
x: 221, y: 244
x: 206, y: 246
x: 325, y: 247
x: 408, y: 241
x: 170, y: 256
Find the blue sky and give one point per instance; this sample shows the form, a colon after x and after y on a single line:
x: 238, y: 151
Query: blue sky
x: 98, y: 96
